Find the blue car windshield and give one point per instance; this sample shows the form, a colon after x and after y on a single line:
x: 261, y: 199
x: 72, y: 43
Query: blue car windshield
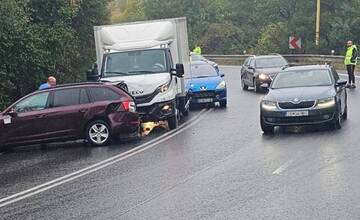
x: 302, y: 78
x: 201, y: 71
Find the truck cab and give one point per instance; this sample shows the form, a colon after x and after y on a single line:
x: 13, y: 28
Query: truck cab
x: 150, y: 59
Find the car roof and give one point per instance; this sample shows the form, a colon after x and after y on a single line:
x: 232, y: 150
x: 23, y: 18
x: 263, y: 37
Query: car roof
x: 200, y: 62
x: 268, y: 56
x: 308, y: 67
x: 70, y: 85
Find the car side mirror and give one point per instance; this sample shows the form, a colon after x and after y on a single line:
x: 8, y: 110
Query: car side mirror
x: 251, y: 68
x: 341, y: 83
x: 12, y: 113
x: 222, y: 74
x: 178, y: 71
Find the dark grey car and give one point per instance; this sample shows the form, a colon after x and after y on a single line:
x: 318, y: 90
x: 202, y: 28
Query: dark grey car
x: 258, y: 71
x: 304, y: 95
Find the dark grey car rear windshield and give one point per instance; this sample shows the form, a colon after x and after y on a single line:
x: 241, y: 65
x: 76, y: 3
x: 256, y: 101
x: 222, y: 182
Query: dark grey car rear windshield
x: 270, y: 62
x: 302, y: 78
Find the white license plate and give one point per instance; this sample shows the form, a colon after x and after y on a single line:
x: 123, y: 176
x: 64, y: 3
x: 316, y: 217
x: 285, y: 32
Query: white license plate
x: 297, y: 113
x: 204, y: 100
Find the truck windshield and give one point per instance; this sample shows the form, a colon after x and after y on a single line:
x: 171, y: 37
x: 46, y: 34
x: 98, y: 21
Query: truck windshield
x: 135, y: 63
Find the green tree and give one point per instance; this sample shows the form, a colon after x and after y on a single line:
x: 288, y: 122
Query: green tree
x: 273, y: 39
x: 41, y: 37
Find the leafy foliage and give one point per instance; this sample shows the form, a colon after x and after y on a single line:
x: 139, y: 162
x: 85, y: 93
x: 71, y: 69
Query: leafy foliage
x: 39, y: 38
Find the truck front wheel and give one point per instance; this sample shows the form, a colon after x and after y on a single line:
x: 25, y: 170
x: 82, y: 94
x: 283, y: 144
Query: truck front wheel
x: 173, y: 121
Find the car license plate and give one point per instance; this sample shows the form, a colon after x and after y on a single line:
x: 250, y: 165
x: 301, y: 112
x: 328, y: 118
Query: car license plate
x: 297, y: 113
x: 204, y: 100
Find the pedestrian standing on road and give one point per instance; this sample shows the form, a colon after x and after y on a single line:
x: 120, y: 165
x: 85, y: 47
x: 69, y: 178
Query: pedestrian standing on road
x: 197, y: 50
x: 51, y: 82
x: 350, y: 62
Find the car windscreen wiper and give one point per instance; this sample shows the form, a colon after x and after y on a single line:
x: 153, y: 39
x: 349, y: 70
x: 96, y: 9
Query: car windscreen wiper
x: 116, y: 73
x: 142, y: 71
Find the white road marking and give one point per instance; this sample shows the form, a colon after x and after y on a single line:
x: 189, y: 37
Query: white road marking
x: 283, y: 167
x: 100, y: 165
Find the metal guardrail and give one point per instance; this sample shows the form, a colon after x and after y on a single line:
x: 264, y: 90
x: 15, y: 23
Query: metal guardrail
x: 295, y: 59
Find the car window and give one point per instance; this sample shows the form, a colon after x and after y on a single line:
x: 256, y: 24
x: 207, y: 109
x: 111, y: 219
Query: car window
x: 136, y: 63
x: 33, y: 103
x: 103, y: 94
x: 84, y: 98
x: 252, y: 63
x: 198, y: 71
x: 335, y: 74
x: 246, y: 62
x: 270, y: 62
x: 66, y: 97
x: 302, y: 78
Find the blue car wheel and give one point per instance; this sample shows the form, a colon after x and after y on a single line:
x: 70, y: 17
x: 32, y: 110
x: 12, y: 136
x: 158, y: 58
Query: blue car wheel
x: 223, y: 103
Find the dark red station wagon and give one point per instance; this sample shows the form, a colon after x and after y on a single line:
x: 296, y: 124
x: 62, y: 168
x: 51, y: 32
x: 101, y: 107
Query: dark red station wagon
x: 96, y: 112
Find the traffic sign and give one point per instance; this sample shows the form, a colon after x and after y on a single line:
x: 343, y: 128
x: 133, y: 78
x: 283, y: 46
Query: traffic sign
x: 294, y: 42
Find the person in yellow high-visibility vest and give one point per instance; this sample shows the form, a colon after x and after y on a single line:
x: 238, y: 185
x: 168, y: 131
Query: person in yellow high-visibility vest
x: 197, y: 50
x: 350, y: 62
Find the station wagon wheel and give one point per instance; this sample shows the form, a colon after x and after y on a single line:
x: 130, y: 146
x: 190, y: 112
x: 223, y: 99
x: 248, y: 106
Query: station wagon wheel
x: 98, y: 133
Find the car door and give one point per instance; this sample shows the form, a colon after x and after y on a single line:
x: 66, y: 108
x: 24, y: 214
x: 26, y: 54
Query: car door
x: 251, y: 72
x: 67, y: 112
x: 28, y: 122
x: 244, y: 68
x: 340, y: 90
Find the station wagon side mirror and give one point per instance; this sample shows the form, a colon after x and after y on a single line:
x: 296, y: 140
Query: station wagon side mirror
x: 12, y: 113
x: 341, y: 83
x: 178, y: 71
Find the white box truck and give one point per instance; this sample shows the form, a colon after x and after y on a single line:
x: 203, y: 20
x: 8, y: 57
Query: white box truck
x: 151, y: 60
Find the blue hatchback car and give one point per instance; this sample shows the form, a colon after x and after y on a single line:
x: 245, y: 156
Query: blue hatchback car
x: 207, y: 85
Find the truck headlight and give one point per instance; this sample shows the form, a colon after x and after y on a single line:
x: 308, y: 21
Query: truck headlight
x: 222, y: 85
x: 269, y: 105
x: 326, y: 103
x: 163, y: 88
x: 263, y: 76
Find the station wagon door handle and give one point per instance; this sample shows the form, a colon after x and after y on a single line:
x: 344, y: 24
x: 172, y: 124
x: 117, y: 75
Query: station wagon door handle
x: 41, y: 116
x: 83, y: 110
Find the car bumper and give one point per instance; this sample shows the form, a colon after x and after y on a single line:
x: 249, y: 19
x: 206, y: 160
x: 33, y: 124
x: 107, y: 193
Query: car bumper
x: 125, y: 125
x: 263, y: 82
x: 157, y: 112
x: 208, y: 96
x: 315, y: 116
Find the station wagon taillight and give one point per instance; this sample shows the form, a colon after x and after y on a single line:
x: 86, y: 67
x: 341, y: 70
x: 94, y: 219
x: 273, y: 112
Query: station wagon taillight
x: 129, y: 106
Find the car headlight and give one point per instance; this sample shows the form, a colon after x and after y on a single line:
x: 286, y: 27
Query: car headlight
x: 163, y: 88
x: 222, y: 85
x: 263, y: 76
x: 269, y: 105
x: 326, y: 103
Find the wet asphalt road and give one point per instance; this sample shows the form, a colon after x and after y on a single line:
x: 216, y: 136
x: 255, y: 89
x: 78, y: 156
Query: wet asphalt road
x: 217, y: 166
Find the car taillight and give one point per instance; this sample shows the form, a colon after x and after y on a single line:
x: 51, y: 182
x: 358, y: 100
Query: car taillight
x: 129, y: 106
